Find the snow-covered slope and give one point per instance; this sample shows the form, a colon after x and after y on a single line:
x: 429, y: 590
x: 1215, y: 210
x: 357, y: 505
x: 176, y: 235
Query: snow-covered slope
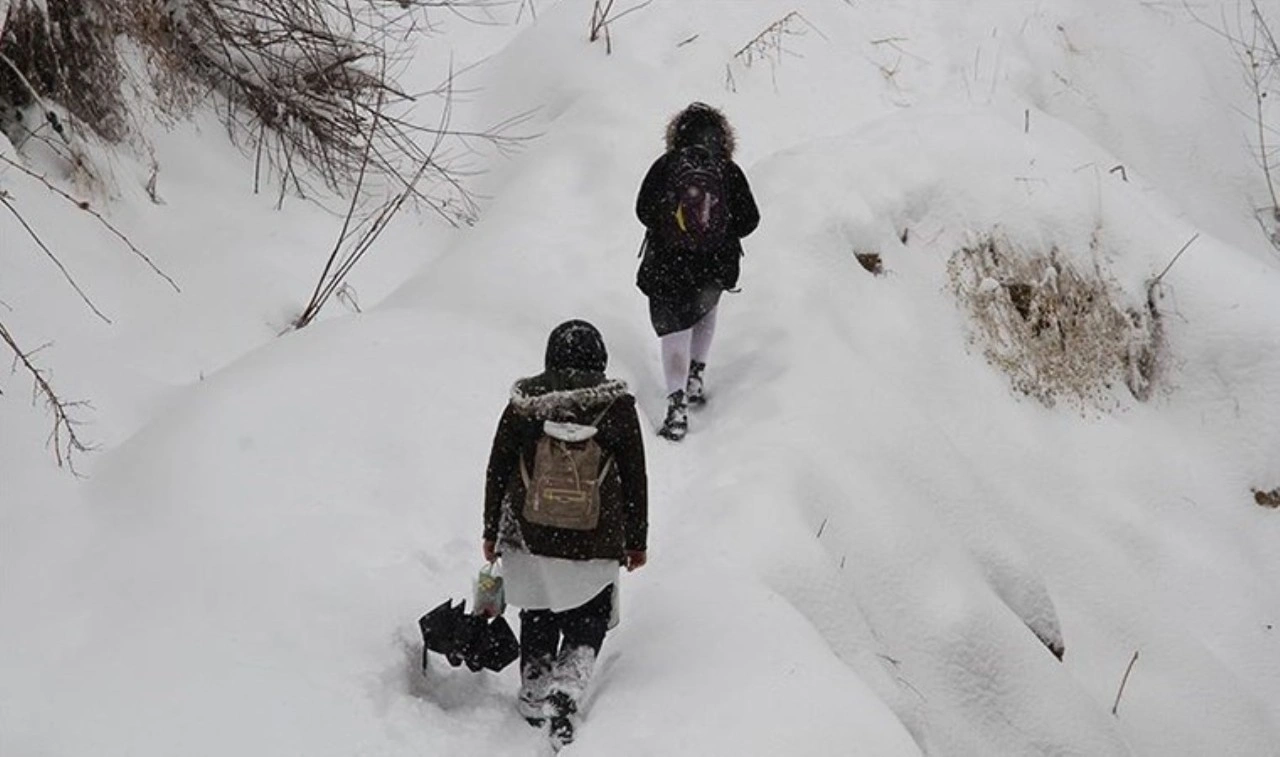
x: 867, y: 543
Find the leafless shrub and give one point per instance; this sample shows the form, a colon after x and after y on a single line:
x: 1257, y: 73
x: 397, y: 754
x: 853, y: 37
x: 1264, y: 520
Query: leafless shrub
x: 1058, y: 334
x: 63, y: 438
x: 1252, y: 37
x: 770, y: 45
x: 306, y: 86
x: 361, y: 228
x: 602, y: 16
x: 354, y: 242
x: 303, y: 83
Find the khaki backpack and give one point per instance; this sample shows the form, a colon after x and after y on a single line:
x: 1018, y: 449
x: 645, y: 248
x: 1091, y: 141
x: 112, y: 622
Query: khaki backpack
x: 564, y: 488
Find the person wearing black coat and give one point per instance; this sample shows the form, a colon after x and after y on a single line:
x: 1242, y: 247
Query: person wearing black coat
x: 684, y: 285
x: 564, y: 579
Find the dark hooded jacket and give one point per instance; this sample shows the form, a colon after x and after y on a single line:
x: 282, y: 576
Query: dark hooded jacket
x: 671, y: 274
x: 573, y: 389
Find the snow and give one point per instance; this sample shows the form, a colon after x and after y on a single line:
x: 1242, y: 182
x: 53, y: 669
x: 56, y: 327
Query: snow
x: 867, y: 544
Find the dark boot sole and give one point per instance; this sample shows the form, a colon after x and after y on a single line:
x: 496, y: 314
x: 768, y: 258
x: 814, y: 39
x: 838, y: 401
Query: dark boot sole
x: 673, y: 436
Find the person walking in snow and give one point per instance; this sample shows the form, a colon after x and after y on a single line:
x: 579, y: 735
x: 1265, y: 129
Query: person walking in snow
x: 566, y: 504
x: 696, y: 206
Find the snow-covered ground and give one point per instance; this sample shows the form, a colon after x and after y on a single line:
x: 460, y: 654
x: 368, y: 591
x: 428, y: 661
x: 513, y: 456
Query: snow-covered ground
x: 867, y: 541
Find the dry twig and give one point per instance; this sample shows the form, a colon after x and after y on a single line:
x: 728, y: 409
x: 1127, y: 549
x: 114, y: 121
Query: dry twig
x: 770, y: 44
x: 602, y: 16
x: 1181, y: 250
x: 6, y: 201
x: 1252, y: 39
x: 63, y: 438
x: 1123, y: 681
x: 86, y: 207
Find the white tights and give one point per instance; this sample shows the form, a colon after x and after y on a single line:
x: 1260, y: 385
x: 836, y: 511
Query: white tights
x: 683, y: 346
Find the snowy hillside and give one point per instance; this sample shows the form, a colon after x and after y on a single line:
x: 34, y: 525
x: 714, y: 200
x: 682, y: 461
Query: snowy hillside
x: 870, y: 543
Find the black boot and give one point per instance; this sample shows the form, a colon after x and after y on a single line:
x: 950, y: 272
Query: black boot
x: 563, y: 724
x: 535, y: 684
x: 676, y: 424
x: 695, y: 392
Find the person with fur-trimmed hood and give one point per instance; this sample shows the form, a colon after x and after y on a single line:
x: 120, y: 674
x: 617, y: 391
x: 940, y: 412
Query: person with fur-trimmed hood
x: 566, y: 504
x: 696, y: 206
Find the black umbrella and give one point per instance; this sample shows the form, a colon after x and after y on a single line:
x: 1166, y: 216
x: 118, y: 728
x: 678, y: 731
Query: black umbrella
x: 496, y: 647
x: 472, y: 640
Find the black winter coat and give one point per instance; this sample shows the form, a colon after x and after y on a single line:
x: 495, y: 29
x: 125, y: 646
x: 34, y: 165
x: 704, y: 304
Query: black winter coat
x: 578, y: 397
x: 671, y: 274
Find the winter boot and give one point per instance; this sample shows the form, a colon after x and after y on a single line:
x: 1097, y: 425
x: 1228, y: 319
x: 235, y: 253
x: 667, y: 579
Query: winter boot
x: 564, y: 719
x: 677, y: 423
x: 569, y: 678
x: 695, y: 391
x: 535, y: 683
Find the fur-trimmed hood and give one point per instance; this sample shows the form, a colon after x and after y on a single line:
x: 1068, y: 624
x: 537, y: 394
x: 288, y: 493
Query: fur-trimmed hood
x: 565, y: 396
x: 685, y: 126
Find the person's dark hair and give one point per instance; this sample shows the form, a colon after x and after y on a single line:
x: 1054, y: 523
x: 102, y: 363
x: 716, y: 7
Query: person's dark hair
x: 700, y: 124
x: 576, y: 345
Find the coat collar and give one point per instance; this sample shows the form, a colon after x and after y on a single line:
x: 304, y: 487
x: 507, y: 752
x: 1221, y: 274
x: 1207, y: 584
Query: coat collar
x: 555, y: 396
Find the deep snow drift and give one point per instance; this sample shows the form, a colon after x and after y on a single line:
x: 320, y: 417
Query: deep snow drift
x: 868, y: 541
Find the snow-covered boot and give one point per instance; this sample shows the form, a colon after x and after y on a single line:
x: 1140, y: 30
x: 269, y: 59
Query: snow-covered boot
x: 677, y: 423
x: 535, y: 684
x: 569, y: 678
x: 694, y: 390
x: 563, y: 724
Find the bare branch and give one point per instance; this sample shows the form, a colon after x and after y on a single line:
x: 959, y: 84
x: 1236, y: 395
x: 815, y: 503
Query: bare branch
x: 86, y: 207
x: 1123, y: 681
x: 770, y: 44
x: 602, y: 16
x: 770, y: 41
x: 5, y: 200
x: 1251, y: 38
x: 1183, y: 249
x: 64, y: 439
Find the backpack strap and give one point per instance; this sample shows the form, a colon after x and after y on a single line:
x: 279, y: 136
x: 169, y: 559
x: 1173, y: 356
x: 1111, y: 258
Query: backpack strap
x: 604, y: 469
x: 603, y: 413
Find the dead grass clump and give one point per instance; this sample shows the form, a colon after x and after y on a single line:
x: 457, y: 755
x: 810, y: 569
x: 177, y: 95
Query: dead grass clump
x: 60, y: 51
x: 871, y: 261
x: 1267, y: 499
x: 1058, y: 334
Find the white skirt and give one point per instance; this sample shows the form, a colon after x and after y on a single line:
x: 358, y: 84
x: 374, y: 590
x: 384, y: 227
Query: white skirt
x: 534, y: 582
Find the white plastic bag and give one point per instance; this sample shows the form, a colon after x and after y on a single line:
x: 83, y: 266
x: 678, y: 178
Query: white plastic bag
x: 489, y: 597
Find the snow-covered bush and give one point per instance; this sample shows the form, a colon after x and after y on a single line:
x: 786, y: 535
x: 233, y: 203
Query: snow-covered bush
x: 60, y: 52
x: 1057, y: 332
x: 302, y: 83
